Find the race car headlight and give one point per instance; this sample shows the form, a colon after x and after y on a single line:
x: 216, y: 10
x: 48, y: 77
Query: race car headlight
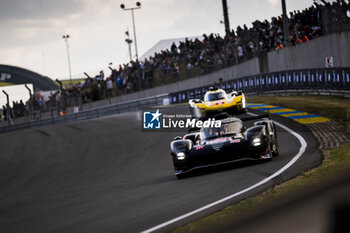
x: 180, y: 156
x: 256, y: 142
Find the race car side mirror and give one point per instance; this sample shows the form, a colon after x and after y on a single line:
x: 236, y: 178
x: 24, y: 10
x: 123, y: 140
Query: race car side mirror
x: 177, y: 138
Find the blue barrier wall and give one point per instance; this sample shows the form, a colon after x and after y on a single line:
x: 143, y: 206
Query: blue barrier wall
x: 306, y: 79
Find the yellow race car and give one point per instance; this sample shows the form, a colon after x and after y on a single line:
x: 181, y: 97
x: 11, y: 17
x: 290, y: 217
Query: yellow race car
x: 217, y: 101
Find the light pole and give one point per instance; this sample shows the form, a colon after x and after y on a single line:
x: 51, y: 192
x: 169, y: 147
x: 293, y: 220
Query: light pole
x: 226, y: 20
x: 285, y: 23
x: 138, y: 6
x: 65, y: 37
x: 128, y: 41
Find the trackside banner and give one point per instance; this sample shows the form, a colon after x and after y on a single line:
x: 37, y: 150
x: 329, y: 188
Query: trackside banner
x: 163, y: 120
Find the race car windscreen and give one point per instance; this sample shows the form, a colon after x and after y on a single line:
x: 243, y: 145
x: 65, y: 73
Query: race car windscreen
x: 216, y: 96
x: 226, y: 129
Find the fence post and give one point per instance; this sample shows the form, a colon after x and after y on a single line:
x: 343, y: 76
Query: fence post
x: 31, y: 101
x: 8, y: 109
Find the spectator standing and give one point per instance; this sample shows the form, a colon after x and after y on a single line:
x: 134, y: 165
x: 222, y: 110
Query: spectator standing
x: 240, y: 53
x: 109, y: 88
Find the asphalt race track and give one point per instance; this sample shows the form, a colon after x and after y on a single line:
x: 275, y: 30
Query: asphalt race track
x: 106, y: 175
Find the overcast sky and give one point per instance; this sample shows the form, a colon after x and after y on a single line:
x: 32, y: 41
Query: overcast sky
x: 31, y: 30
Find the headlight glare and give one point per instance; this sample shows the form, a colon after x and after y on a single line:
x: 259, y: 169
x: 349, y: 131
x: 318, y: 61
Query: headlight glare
x: 256, y: 142
x: 180, y: 156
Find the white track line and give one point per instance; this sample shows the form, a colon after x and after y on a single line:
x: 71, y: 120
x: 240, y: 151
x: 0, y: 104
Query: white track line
x: 288, y: 165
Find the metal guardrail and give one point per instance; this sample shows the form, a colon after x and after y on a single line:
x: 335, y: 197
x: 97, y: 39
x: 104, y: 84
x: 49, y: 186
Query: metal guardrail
x: 126, y: 106
x: 326, y: 80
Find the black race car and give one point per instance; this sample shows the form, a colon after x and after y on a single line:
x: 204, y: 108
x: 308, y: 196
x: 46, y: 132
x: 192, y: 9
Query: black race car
x: 230, y: 143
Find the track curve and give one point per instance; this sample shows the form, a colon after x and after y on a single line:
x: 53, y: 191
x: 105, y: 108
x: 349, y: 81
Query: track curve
x: 106, y: 175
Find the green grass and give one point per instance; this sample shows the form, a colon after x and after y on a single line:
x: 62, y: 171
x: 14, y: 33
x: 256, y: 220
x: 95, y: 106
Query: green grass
x: 68, y: 84
x: 335, y: 161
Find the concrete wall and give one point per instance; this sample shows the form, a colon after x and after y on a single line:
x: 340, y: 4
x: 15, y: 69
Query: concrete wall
x: 312, y: 54
x: 307, y: 55
x: 247, y: 68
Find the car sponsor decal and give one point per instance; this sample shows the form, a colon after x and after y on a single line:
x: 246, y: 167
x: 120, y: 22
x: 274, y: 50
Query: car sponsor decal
x: 217, y: 140
x: 216, y: 144
x: 235, y: 140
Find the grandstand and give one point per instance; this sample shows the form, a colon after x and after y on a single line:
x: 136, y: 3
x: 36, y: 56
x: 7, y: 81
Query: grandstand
x: 259, y: 49
x: 317, y: 34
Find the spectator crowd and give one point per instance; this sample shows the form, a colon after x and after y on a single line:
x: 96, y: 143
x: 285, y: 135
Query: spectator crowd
x: 211, y: 52
x: 20, y: 109
x: 199, y: 56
